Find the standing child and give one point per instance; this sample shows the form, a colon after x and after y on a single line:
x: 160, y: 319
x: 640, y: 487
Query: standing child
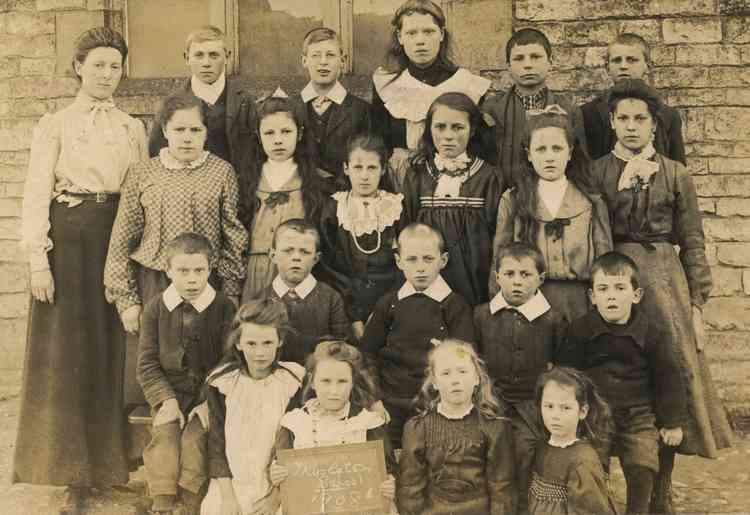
x: 517, y: 335
x: 332, y: 114
x: 406, y: 322
x: 653, y: 205
x: 358, y: 229
x: 635, y: 370
x: 568, y: 474
x: 628, y: 57
x: 458, y: 452
x: 451, y: 188
x: 315, y: 309
x: 529, y: 56
x: 181, y: 340
x: 338, y: 398
x: 284, y: 184
x: 552, y: 208
x: 247, y: 396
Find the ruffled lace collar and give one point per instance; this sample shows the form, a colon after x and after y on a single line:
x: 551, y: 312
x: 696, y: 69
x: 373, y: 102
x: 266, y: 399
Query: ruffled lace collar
x: 562, y: 445
x: 170, y: 163
x: 361, y: 216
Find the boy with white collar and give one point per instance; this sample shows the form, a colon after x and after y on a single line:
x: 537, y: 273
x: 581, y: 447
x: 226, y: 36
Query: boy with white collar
x: 518, y: 334
x: 181, y: 340
x: 406, y: 322
x: 332, y: 114
x: 315, y: 309
x: 206, y: 55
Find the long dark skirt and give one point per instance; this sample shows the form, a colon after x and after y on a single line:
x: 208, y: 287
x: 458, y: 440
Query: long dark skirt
x: 71, y: 427
x: 667, y: 301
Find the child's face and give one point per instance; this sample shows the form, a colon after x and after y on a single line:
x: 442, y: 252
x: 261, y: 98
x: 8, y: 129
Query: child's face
x: 633, y: 123
x: 529, y: 66
x: 451, y: 131
x: 259, y: 344
x: 100, y: 72
x: 561, y: 412
x: 333, y: 384
x: 186, y: 134
x: 455, y: 376
x: 421, y: 37
x: 626, y: 62
x: 549, y: 153
x: 364, y: 171
x: 519, y: 280
x: 189, y: 274
x: 420, y: 260
x: 614, y: 296
x: 207, y: 60
x: 323, y: 62
x: 294, y: 255
x: 279, y: 136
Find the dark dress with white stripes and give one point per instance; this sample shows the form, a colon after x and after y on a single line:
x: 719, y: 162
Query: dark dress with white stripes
x: 467, y: 222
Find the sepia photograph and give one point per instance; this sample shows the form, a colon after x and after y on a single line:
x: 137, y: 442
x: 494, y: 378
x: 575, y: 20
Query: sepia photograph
x: 374, y: 257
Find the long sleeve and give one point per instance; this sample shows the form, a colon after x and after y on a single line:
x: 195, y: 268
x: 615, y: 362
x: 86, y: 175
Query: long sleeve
x: 501, y: 470
x: 120, y: 272
x: 218, y: 466
x: 587, y: 490
x: 379, y: 118
x: 676, y: 143
x: 411, y: 197
x: 338, y: 319
x: 411, y: 486
x: 376, y: 328
x: 495, y: 190
x: 156, y: 140
x: 504, y: 234
x: 689, y: 231
x: 601, y: 233
x: 231, y: 266
x: 38, y: 191
x: 151, y: 376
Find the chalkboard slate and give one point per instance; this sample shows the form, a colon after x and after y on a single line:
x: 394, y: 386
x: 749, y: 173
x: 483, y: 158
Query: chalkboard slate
x: 340, y: 479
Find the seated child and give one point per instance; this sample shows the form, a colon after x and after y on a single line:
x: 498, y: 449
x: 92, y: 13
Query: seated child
x: 332, y: 114
x: 517, y: 335
x: 315, y: 309
x: 339, y: 408
x: 458, y: 451
x: 568, y: 475
x: 529, y: 55
x: 181, y: 340
x: 358, y: 229
x: 248, y: 393
x: 405, y: 322
x: 622, y: 352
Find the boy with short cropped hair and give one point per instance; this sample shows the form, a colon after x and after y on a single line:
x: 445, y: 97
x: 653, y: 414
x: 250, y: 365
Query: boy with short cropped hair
x: 517, y: 336
x: 181, y: 340
x: 639, y: 377
x: 628, y: 57
x: 315, y: 309
x: 406, y: 322
x: 529, y: 55
x: 332, y: 114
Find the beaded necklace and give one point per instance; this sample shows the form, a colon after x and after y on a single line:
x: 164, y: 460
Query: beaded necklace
x: 354, y: 234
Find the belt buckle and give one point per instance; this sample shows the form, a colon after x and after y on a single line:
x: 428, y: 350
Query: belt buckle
x: 101, y: 197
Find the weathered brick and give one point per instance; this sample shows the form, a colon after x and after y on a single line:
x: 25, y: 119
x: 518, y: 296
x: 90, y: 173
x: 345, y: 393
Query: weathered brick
x: 17, y: 5
x: 678, y: 7
x: 44, y: 87
x: 14, y: 158
x: 15, y: 330
x: 694, y: 125
x: 744, y: 54
x: 11, y: 252
x: 721, y: 185
x: 662, y: 55
x: 682, y: 77
x: 8, y: 67
x: 13, y: 190
x: 721, y: 165
x: 707, y: 206
x: 746, y: 281
x: 566, y: 58
x: 37, y: 67
x: 5, y: 108
x: 139, y: 105
x: 708, y: 55
x: 650, y: 30
x: 41, y: 45
x: 727, y: 314
x: 4, y: 89
x: 729, y: 76
x: 15, y: 134
x: 98, y: 5
x: 28, y: 107
x: 711, y: 254
x: 734, y: 7
x: 697, y: 166
x: 13, y: 278
x: 555, y: 32
x: 691, y: 30
x: 610, y: 8
x: 695, y: 97
x: 30, y: 24
x: 583, y: 79
x: 733, y: 254
x: 10, y: 207
x: 591, y: 33
x: 540, y: 10
x: 716, y: 148
x: 10, y: 229
x: 48, y: 5
x: 12, y: 173
x: 14, y: 305
x: 737, y: 29
x: 726, y: 229
x: 728, y: 345
x: 727, y: 281
x: 733, y: 207
x: 595, y: 57
x: 723, y: 123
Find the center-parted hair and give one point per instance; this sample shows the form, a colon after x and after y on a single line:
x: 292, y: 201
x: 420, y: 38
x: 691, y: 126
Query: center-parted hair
x: 96, y: 38
x: 528, y: 36
x: 420, y: 230
x: 519, y: 250
x: 299, y: 226
x: 616, y: 263
x: 396, y: 53
x: 363, y: 388
x: 188, y: 243
x: 177, y: 102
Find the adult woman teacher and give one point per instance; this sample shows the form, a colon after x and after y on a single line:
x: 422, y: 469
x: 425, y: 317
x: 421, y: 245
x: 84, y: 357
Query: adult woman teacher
x: 420, y: 49
x: 71, y: 427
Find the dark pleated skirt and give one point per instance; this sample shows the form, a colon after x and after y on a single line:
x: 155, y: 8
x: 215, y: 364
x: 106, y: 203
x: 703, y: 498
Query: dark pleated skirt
x: 71, y: 426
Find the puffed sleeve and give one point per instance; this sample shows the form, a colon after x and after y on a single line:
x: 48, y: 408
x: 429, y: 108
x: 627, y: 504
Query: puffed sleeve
x: 504, y: 233
x: 689, y: 231
x: 587, y: 489
x: 37, y: 194
x: 501, y: 468
x: 235, y: 240
x: 411, y: 485
x: 120, y: 283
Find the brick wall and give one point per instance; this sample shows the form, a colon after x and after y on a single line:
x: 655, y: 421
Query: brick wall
x: 701, y: 56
